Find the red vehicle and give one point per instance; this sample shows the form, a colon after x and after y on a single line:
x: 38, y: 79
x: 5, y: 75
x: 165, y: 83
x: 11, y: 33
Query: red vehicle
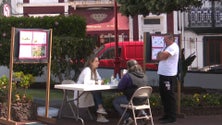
x: 127, y: 50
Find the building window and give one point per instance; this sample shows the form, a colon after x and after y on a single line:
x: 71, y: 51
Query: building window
x: 151, y: 21
x: 212, y: 50
x: 109, y: 54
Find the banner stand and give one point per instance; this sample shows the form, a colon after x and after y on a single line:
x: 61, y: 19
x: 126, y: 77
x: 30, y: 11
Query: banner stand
x: 46, y: 119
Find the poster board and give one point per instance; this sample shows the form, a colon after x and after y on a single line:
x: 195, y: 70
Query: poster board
x: 154, y: 44
x: 31, y: 45
x: 44, y: 40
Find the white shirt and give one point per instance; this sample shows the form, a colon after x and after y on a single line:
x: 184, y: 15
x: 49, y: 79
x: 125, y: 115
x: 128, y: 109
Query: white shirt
x: 169, y: 66
x: 86, y: 99
x: 85, y: 77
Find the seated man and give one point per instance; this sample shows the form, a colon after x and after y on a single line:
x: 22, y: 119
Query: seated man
x: 130, y: 82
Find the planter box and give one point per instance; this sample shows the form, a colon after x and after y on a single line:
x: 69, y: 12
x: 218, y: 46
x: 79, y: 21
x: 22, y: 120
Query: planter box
x: 202, y: 110
x: 19, y: 111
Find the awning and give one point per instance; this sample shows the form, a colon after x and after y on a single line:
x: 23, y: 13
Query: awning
x: 102, y: 20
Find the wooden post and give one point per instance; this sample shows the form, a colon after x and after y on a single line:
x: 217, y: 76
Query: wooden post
x: 8, y: 120
x: 46, y: 118
x: 179, y: 114
x: 48, y: 78
x: 178, y: 96
x: 144, y: 51
x: 10, y: 76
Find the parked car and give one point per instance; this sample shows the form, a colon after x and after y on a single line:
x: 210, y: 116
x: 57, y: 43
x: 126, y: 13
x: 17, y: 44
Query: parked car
x: 127, y: 50
x: 212, y: 68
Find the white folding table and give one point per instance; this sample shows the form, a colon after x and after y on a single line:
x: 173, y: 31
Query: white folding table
x: 83, y: 88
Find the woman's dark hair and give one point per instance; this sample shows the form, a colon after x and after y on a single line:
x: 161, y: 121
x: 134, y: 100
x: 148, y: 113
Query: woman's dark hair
x: 90, y: 59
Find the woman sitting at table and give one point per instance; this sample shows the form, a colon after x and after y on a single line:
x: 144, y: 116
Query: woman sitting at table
x: 132, y: 80
x: 90, y: 76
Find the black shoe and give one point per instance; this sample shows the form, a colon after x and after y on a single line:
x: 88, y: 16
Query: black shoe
x: 165, y: 121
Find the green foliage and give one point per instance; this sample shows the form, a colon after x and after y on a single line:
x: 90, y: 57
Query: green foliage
x: 144, y: 7
x: 3, y: 88
x: 67, y: 31
x: 155, y: 100
x: 73, y: 26
x: 20, y: 81
x: 108, y: 97
x: 34, y: 69
x: 25, y: 80
x: 202, y: 100
x: 195, y: 100
x: 5, y: 51
x: 69, y: 54
x: 184, y: 64
x: 41, y: 93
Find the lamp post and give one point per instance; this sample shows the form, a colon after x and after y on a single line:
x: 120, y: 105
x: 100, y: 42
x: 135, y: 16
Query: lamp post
x: 117, y: 59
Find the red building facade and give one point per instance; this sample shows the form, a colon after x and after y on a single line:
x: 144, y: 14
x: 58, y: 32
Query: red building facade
x: 100, y: 20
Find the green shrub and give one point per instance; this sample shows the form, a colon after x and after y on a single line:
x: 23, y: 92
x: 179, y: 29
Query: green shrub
x: 3, y: 88
x: 205, y: 99
x: 21, y: 82
x: 71, y: 26
x: 195, y: 100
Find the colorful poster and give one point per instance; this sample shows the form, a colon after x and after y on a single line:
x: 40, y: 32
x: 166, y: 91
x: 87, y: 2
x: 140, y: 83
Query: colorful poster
x: 157, y: 42
x: 154, y: 52
x: 33, y: 44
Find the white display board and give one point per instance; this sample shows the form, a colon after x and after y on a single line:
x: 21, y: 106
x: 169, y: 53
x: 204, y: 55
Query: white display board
x: 33, y: 44
x: 157, y: 44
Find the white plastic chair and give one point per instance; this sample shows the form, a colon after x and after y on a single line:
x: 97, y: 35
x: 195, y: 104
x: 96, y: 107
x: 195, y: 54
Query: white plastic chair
x: 142, y: 92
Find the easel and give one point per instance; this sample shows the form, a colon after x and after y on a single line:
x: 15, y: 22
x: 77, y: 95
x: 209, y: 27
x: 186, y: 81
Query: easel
x: 46, y: 119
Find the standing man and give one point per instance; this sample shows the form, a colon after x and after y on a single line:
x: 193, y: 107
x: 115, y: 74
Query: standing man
x: 167, y: 69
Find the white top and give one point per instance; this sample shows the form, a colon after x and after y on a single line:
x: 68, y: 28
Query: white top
x: 169, y: 66
x: 86, y: 99
x: 85, y: 77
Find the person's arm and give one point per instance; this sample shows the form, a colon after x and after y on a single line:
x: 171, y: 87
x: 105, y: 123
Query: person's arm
x: 163, y: 55
x: 99, y: 77
x: 123, y: 82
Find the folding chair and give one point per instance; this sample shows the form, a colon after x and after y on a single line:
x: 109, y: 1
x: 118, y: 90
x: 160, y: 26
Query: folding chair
x: 142, y: 92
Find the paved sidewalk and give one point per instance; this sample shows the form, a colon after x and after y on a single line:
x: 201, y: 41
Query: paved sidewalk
x: 187, y: 120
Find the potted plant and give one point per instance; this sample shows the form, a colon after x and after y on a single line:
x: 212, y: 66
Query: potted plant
x: 22, y: 107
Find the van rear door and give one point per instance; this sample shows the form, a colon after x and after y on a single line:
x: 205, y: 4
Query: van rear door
x: 134, y: 52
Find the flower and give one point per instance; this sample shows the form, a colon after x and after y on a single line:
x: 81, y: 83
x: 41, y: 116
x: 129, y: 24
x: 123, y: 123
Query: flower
x: 4, y: 34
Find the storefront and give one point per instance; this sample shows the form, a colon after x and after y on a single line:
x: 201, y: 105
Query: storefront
x: 100, y: 24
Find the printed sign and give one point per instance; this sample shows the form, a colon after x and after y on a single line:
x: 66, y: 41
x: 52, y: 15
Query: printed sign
x: 33, y: 44
x: 157, y: 42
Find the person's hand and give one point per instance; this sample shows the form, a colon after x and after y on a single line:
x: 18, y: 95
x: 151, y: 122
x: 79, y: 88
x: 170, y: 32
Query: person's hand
x: 102, y: 82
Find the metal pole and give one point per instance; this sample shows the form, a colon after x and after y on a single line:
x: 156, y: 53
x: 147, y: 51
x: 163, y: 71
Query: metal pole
x: 117, y: 60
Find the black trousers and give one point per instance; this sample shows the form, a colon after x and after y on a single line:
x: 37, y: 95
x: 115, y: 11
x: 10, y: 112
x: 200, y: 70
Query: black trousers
x: 167, y: 93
